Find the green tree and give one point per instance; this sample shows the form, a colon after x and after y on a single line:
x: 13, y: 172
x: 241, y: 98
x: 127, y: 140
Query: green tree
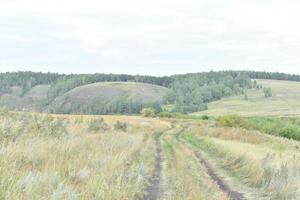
x: 268, y: 92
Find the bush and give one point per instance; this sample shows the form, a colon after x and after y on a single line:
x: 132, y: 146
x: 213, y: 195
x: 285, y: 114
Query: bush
x: 57, y: 127
x: 230, y: 120
x: 148, y: 112
x: 290, y: 132
x: 284, y: 127
x: 98, y: 124
x: 120, y: 126
x: 47, y: 126
x: 205, y: 117
x: 268, y: 92
x: 170, y: 114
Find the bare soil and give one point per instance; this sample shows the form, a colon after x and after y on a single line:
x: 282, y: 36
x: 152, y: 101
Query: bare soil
x: 154, y: 189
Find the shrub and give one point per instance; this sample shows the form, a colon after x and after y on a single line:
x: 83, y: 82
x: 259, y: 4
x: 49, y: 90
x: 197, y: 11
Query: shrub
x: 47, y: 126
x: 290, y: 132
x: 205, y: 117
x: 165, y: 114
x: 9, y: 132
x: 268, y: 92
x: 170, y: 115
x: 57, y: 127
x: 148, y: 112
x: 120, y: 126
x: 98, y: 124
x: 284, y: 127
x: 230, y: 120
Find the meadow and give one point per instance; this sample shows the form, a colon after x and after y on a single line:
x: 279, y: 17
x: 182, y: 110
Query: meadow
x: 285, y: 101
x: 71, y: 157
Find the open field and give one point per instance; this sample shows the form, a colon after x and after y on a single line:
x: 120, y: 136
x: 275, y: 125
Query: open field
x: 284, y: 102
x: 130, y: 157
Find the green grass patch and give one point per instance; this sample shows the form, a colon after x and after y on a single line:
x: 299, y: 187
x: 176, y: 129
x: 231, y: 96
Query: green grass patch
x: 168, y: 147
x: 191, y: 139
x: 284, y: 127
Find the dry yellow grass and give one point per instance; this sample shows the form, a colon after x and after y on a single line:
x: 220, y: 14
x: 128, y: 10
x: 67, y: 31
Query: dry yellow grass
x: 106, y: 164
x: 270, y: 165
x: 61, y: 157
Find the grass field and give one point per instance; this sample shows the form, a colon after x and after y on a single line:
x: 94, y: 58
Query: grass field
x: 129, y: 157
x: 284, y: 102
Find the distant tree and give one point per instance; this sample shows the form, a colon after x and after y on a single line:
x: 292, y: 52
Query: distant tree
x: 254, y: 84
x: 228, y: 91
x: 268, y: 92
x: 246, y: 97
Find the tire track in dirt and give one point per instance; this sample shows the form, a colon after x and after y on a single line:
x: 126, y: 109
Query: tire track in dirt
x: 154, y: 189
x: 233, y: 195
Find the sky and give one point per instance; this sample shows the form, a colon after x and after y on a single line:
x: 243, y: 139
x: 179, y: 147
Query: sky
x: 149, y: 37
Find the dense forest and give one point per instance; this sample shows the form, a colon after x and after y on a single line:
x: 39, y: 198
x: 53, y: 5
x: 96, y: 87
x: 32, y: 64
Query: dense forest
x: 188, y: 92
x: 25, y: 80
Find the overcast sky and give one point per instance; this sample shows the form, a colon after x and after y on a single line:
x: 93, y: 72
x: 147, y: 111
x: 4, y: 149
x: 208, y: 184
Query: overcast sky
x: 158, y: 37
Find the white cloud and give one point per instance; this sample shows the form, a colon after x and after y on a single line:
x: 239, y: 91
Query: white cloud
x: 150, y: 37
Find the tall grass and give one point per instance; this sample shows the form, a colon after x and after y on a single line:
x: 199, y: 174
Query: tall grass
x: 284, y: 127
x: 258, y: 163
x: 55, y: 157
x: 185, y: 178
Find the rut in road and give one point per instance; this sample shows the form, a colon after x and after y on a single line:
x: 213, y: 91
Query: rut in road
x: 233, y: 195
x: 154, y: 189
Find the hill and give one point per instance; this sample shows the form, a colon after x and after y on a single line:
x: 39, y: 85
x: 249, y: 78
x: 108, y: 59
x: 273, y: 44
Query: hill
x: 188, y: 93
x: 109, y: 97
x: 285, y: 101
x: 33, y: 100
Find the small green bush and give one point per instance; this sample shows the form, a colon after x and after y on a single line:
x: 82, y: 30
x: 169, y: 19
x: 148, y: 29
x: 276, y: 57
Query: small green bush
x: 205, y: 117
x: 283, y: 127
x: 98, y: 124
x: 230, y: 120
x: 120, y: 126
x: 148, y: 112
x: 47, y: 126
x: 268, y: 92
x: 290, y: 132
x: 165, y: 114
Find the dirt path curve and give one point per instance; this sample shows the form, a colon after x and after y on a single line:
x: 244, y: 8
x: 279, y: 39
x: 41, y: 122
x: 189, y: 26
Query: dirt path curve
x: 233, y: 195
x: 154, y: 189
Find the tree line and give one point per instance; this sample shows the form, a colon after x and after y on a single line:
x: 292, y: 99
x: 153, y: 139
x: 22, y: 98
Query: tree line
x: 188, y: 92
x: 25, y: 80
x: 192, y: 92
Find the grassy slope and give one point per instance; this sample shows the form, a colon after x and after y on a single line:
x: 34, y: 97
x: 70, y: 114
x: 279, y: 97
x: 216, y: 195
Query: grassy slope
x: 33, y: 100
x: 106, y: 92
x: 285, y: 101
x: 92, y: 94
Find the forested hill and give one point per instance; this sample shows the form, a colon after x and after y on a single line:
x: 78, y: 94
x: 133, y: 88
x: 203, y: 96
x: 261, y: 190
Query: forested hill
x: 187, y: 92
